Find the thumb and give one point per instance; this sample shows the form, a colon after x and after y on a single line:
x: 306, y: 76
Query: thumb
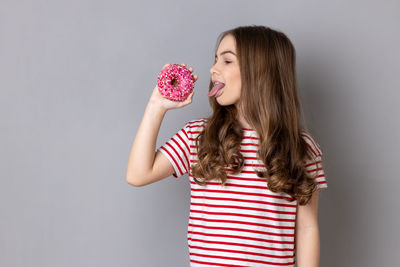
x: 188, y: 100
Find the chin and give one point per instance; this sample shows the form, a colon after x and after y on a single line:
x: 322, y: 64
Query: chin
x: 224, y: 101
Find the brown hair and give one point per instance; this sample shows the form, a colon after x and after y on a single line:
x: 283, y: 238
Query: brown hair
x: 269, y: 103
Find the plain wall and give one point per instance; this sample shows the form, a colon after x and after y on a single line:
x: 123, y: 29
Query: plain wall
x: 75, y: 78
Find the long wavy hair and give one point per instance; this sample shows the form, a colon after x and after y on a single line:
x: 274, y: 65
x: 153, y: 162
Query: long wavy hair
x: 270, y: 104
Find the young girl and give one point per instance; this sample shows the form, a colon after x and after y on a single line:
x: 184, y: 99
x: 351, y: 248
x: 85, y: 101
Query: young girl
x: 254, y: 169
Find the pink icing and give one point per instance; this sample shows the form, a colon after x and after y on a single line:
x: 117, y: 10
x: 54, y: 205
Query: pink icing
x: 183, y: 78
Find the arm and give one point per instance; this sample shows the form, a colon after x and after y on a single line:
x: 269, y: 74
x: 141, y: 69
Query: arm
x: 307, y: 234
x: 145, y: 166
x: 142, y: 155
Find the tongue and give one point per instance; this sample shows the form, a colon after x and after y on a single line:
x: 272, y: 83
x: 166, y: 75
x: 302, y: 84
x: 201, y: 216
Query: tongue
x: 215, y: 89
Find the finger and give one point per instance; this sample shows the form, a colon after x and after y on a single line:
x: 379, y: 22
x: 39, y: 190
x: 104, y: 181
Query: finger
x: 189, y: 98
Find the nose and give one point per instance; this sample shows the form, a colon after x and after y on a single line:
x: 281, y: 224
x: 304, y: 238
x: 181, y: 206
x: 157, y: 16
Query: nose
x: 213, y: 70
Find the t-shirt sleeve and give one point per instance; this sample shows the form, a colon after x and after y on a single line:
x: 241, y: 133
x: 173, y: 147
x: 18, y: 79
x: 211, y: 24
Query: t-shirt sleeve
x: 177, y: 151
x: 314, y: 164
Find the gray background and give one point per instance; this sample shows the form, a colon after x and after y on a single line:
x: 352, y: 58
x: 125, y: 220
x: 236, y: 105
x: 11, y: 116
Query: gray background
x: 75, y: 78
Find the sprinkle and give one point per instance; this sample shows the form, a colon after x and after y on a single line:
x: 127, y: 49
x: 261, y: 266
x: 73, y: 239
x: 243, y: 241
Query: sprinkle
x: 184, y: 78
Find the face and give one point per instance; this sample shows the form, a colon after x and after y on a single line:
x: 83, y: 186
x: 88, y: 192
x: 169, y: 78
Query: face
x: 226, y: 70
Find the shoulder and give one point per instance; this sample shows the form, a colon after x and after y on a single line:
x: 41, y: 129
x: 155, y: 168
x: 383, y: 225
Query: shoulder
x: 195, y: 126
x: 312, y: 144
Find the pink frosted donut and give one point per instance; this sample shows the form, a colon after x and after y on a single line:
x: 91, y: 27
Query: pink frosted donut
x: 175, y: 82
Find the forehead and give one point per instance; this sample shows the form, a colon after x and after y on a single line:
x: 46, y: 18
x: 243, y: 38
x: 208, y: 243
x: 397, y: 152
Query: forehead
x: 227, y: 43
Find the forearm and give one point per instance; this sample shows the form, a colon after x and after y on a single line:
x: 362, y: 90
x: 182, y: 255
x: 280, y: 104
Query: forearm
x: 307, y: 247
x: 142, y: 153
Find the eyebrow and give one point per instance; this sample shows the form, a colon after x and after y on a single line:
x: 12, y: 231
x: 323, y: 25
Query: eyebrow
x: 225, y: 52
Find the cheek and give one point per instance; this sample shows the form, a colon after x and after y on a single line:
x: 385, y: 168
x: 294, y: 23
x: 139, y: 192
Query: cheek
x: 238, y: 84
x: 235, y: 90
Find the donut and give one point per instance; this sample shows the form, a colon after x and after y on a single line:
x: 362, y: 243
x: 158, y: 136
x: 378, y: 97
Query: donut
x: 175, y: 82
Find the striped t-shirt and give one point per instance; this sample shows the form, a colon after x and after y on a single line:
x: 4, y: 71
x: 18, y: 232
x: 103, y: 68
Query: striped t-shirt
x: 243, y: 223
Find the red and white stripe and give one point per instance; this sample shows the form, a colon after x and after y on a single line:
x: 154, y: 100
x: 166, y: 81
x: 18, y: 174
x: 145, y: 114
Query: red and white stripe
x: 241, y: 223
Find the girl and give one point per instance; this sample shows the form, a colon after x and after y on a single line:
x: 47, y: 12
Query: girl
x: 254, y: 169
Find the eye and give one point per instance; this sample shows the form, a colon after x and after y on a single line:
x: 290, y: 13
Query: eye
x: 227, y: 62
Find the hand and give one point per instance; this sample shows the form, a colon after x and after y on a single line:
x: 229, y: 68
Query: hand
x: 158, y: 99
